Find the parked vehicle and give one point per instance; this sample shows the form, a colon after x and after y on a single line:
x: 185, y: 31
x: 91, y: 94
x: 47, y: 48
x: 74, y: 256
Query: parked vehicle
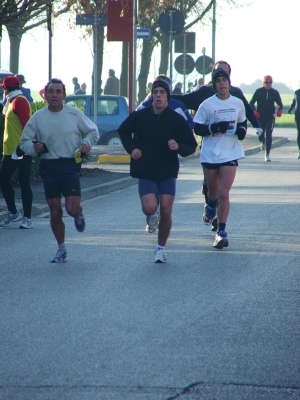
x: 112, y: 110
x: 3, y: 74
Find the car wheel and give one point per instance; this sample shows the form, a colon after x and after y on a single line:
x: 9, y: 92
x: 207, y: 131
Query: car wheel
x: 113, y: 139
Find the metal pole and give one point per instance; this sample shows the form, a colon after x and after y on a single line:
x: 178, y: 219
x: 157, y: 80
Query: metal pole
x: 203, y: 65
x: 95, y: 31
x: 134, y: 55
x: 214, y: 31
x: 170, y: 46
x: 50, y: 56
x: 184, y: 60
x: 50, y: 27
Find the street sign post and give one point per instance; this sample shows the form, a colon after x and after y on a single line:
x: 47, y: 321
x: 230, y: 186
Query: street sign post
x: 143, y: 33
x: 184, y: 64
x: 91, y: 19
x: 95, y: 20
x: 204, y: 65
x: 171, y: 22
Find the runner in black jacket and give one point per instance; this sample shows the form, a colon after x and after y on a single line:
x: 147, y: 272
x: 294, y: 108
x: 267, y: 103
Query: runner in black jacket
x: 296, y: 103
x: 154, y: 136
x: 266, y: 97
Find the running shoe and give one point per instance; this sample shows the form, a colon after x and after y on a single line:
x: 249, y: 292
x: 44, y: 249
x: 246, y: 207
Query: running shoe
x: 26, y: 223
x: 160, y: 256
x: 221, y: 240
x: 61, y: 256
x: 267, y: 158
x: 152, y: 222
x: 79, y: 223
x: 209, y: 214
x: 10, y: 218
x: 298, y: 156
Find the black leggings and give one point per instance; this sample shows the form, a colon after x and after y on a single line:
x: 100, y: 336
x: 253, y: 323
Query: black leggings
x: 297, y: 120
x: 7, y: 168
x: 267, y: 125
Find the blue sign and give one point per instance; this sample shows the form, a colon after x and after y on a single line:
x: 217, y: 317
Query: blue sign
x: 173, y: 15
x: 91, y: 19
x: 143, y: 33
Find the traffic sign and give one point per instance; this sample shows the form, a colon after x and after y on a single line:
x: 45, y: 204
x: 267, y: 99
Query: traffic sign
x: 185, y: 43
x: 189, y: 64
x: 204, y: 65
x: 89, y: 19
x: 143, y: 33
x: 165, y: 21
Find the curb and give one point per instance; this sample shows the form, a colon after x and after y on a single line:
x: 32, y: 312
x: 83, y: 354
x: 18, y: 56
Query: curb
x: 114, y: 159
x: 86, y: 194
x: 257, y: 149
x: 125, y: 158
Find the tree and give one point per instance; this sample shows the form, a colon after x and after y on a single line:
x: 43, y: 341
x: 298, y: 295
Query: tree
x: 149, y: 11
x: 94, y: 7
x: 15, y: 15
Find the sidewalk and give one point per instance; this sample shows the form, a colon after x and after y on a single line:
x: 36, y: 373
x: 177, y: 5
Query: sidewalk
x: 99, y: 179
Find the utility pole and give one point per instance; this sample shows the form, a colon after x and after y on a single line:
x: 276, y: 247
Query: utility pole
x: 213, y: 55
x: 50, y: 26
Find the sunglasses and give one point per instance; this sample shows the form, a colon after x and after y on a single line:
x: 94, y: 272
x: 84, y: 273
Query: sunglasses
x: 268, y: 82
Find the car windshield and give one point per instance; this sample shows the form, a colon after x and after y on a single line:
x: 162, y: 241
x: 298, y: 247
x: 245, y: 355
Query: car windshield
x: 79, y: 103
x: 105, y: 107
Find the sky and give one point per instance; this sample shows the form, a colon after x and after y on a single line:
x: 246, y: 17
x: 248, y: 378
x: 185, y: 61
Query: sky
x: 257, y: 40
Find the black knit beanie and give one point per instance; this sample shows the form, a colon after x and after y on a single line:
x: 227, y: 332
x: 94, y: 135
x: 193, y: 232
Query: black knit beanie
x: 163, y: 85
x: 217, y: 73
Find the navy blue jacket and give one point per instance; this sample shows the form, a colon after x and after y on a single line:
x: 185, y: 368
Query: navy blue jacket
x: 266, y: 100
x: 296, y: 103
x: 150, y: 133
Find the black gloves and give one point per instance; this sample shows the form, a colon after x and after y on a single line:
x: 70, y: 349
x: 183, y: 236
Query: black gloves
x: 219, y: 127
x: 19, y: 152
x: 290, y: 111
x: 241, y: 133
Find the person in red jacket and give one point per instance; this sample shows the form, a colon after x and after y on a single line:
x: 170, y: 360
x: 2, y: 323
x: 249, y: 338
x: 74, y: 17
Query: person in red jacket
x: 266, y: 97
x: 17, y: 113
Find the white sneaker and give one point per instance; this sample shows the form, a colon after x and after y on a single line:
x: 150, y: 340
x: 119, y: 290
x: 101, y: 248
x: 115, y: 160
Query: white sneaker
x: 267, y: 157
x: 160, y: 256
x: 60, y: 257
x: 26, y: 223
x: 298, y: 156
x: 152, y: 222
x: 10, y: 218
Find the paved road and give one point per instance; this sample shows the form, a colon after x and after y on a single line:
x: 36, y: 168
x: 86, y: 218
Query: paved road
x: 110, y: 324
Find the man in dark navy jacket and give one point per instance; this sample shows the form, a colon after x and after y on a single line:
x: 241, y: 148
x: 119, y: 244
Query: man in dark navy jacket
x: 154, y: 136
x: 266, y: 97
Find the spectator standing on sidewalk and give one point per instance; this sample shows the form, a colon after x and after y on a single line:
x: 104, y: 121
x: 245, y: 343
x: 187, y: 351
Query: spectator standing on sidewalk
x: 18, y: 112
x: 76, y: 84
x: 82, y: 89
x: 296, y: 104
x: 266, y: 97
x: 42, y: 94
x: 154, y: 136
x: 112, y: 85
x: 221, y: 121
x: 55, y: 133
x: 177, y: 88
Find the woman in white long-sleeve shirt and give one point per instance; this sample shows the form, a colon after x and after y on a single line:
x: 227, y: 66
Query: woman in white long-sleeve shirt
x: 221, y: 121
